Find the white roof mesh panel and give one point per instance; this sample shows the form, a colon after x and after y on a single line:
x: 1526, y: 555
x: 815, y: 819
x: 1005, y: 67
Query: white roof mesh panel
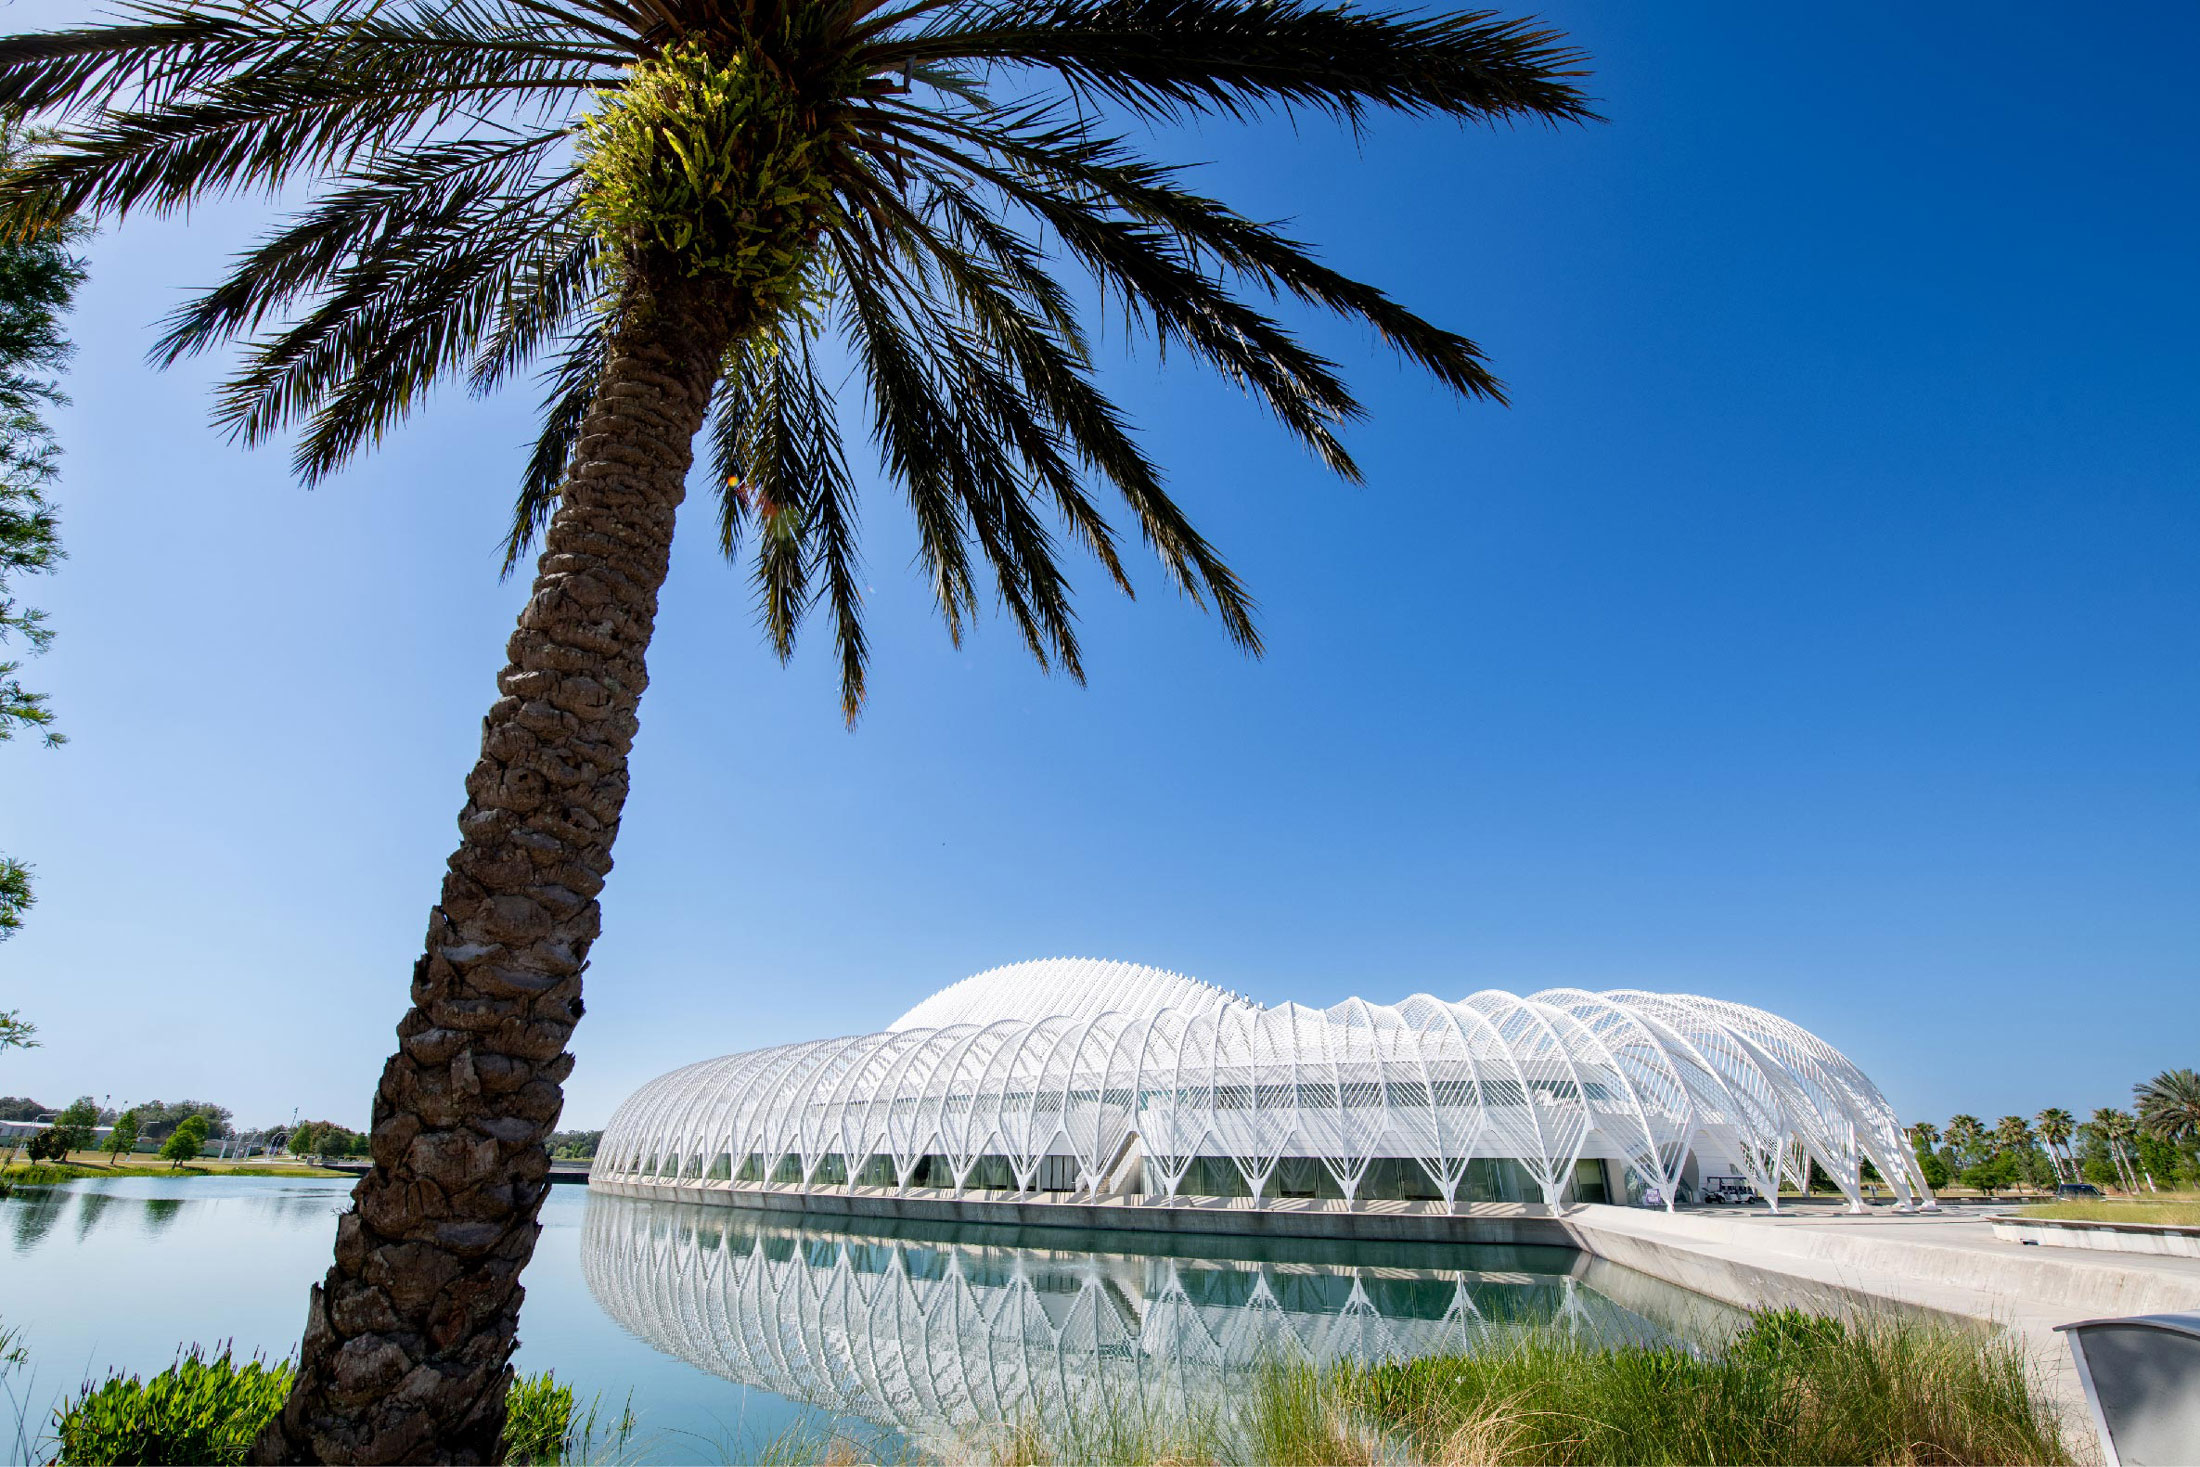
x: 1065, y: 988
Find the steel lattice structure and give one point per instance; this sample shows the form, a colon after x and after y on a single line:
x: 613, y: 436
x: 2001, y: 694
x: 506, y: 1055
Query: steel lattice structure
x: 1112, y: 1079
x: 933, y: 1336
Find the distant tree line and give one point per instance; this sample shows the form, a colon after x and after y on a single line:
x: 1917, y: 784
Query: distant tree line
x: 157, y: 1119
x: 323, y: 1138
x: 574, y: 1145
x: 2154, y: 1146
x: 160, y: 1122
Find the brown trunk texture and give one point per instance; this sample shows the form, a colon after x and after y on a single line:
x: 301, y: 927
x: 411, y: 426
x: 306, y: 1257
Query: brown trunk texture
x: 408, y: 1341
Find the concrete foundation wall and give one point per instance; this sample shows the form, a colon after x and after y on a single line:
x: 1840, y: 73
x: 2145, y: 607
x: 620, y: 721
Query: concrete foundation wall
x: 1497, y: 1222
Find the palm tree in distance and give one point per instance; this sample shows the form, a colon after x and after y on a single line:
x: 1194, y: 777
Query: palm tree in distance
x: 2169, y: 1106
x: 1967, y: 1134
x: 2013, y: 1135
x: 2123, y: 1131
x: 1924, y: 1135
x: 2056, y: 1126
x: 2116, y: 1128
x: 679, y: 208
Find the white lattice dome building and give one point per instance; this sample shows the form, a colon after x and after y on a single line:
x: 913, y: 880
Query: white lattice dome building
x: 1071, y: 1075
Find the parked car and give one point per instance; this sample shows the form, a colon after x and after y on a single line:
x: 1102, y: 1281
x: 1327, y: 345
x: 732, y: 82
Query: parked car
x: 2076, y: 1189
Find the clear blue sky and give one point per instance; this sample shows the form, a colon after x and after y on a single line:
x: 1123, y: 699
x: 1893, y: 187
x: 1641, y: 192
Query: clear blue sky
x: 1820, y: 629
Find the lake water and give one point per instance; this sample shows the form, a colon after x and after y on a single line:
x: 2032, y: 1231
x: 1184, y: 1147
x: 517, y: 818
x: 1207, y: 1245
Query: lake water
x: 725, y: 1329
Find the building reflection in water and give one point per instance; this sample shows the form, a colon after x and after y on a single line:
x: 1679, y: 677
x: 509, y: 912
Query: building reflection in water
x: 929, y: 1330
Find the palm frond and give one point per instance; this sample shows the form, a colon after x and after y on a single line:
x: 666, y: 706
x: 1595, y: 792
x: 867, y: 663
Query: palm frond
x: 315, y: 114
x: 1158, y: 283
x: 1056, y: 376
x: 151, y: 53
x: 779, y: 461
x: 1021, y: 314
x: 1172, y: 59
x: 943, y: 394
x: 912, y: 439
x: 407, y: 193
x: 1041, y: 152
x: 571, y: 389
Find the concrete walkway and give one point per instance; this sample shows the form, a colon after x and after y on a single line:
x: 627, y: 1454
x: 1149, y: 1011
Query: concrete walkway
x: 1947, y: 1262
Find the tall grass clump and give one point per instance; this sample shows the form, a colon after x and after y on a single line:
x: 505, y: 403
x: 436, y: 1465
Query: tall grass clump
x: 210, y: 1410
x: 48, y: 1173
x: 1790, y: 1388
x: 537, y: 1415
x: 197, y: 1410
x: 13, y: 1357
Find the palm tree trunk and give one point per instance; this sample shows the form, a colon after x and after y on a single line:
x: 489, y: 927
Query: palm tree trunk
x: 408, y: 1340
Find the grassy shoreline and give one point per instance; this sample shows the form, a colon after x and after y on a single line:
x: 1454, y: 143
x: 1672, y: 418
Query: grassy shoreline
x: 52, y: 1173
x: 1790, y: 1387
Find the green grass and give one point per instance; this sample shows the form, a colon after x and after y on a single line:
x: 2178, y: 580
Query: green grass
x: 210, y: 1410
x: 2166, y: 1210
x: 1791, y: 1388
x: 49, y: 1173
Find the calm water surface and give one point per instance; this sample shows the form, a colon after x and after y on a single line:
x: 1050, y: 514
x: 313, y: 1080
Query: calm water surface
x: 727, y: 1328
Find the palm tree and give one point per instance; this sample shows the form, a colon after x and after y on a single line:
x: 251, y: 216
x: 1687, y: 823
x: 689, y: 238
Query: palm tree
x: 2013, y: 1136
x: 2114, y: 1127
x: 2123, y: 1134
x: 2056, y: 1126
x: 1924, y: 1136
x: 2169, y: 1106
x: 1967, y: 1134
x: 686, y: 209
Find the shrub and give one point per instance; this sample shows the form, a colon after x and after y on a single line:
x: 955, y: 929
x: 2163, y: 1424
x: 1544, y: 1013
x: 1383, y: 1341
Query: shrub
x: 49, y: 1145
x: 186, y: 1143
x: 211, y: 1411
x: 1935, y: 1170
x: 1991, y: 1175
x: 197, y: 1410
